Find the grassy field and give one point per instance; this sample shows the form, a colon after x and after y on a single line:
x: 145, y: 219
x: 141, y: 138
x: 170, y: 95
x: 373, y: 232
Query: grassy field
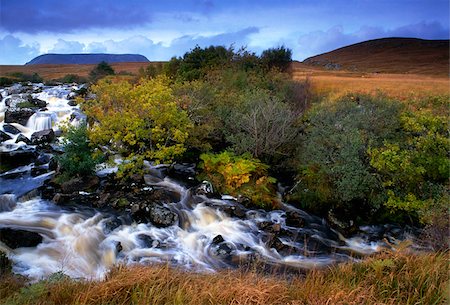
x: 389, y: 278
x: 402, y: 86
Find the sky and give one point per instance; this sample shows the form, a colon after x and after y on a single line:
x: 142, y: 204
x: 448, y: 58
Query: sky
x: 161, y: 29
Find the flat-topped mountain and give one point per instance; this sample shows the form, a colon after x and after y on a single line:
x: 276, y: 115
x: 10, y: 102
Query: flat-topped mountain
x: 85, y: 58
x: 388, y: 55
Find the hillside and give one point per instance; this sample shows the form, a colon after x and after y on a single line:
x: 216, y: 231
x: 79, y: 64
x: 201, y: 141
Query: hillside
x: 388, y: 55
x: 85, y: 58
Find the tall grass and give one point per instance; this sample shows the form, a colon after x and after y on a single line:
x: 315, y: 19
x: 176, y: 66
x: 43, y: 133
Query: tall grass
x: 398, y: 278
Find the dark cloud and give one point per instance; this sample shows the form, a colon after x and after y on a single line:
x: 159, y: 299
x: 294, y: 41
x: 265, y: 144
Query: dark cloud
x: 33, y: 16
x: 14, y: 52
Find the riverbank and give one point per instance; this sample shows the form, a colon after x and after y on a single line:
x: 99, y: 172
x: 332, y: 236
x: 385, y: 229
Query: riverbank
x: 398, y: 277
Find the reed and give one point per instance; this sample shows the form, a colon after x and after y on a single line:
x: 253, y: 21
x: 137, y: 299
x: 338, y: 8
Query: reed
x: 387, y: 278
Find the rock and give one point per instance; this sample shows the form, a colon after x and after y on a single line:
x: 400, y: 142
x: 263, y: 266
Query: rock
x: 4, y: 137
x: 39, y: 103
x: 118, y: 247
x: 7, y: 202
x: 111, y: 224
x: 17, y: 157
x: 11, y: 129
x: 218, y: 239
x: 274, y: 242
x: 78, y: 184
x: 42, y: 159
x: 42, y: 137
x: 38, y: 170
x: 183, y: 171
x: 150, y: 179
x: 147, y: 242
x: 18, y: 115
x: 161, y: 216
x: 72, y: 103
x: 164, y: 196
x: 294, y: 219
x: 19, y: 238
x: 52, y: 164
x: 205, y: 188
x: 223, y: 250
x: 22, y: 138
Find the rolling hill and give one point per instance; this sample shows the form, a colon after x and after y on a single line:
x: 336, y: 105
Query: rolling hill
x: 388, y: 55
x: 85, y: 58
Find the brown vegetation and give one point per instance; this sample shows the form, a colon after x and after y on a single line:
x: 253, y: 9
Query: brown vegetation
x: 389, y: 278
x: 389, y: 55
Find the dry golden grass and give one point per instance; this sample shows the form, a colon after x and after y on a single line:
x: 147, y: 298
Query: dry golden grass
x: 389, y: 278
x: 401, y: 86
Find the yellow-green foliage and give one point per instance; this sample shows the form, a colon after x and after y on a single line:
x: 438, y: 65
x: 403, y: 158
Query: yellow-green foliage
x: 415, y: 171
x: 138, y: 120
x: 240, y: 175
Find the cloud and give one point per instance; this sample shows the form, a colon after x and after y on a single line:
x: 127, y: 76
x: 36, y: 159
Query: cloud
x: 62, y: 46
x: 15, y: 52
x: 318, y: 42
x: 32, y: 16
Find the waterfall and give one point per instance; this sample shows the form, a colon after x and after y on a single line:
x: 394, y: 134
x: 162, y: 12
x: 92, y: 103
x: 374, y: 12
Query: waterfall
x: 41, y: 121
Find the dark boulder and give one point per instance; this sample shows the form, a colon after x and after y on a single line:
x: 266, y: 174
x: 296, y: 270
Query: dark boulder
x: 147, y: 242
x: 72, y: 103
x: 39, y: 103
x: 164, y: 196
x: 38, y: 170
x: 79, y: 184
x: 22, y: 138
x: 11, y: 129
x: 218, y: 239
x: 42, y: 137
x: 19, y: 238
x: 4, y: 137
x: 17, y: 157
x: 18, y: 115
x: 162, y: 217
x: 294, y: 219
x: 42, y: 159
x: 222, y: 250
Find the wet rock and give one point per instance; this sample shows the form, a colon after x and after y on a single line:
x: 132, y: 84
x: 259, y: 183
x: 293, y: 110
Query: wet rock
x: 11, y: 129
x: 163, y: 196
x: 19, y: 238
x: 147, y: 242
x: 183, y: 171
x: 22, y: 138
x: 72, y: 103
x: 7, y: 202
x: 4, y: 137
x: 161, y: 216
x: 111, y: 224
x: 205, y: 188
x: 79, y: 184
x: 294, y: 219
x: 38, y: 170
x: 18, y: 115
x: 43, y: 137
x: 118, y: 247
x: 274, y: 242
x: 52, y: 164
x: 42, y: 159
x: 218, y: 239
x: 17, y: 157
x: 38, y: 103
x: 150, y: 179
x: 223, y: 250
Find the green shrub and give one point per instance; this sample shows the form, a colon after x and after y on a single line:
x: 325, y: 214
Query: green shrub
x: 334, y: 166
x: 280, y: 58
x: 78, y: 158
x: 240, y: 175
x: 101, y: 70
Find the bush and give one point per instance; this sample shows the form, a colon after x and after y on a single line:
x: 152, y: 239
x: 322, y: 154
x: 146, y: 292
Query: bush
x: 72, y: 78
x: 101, y: 70
x: 334, y: 166
x: 240, y: 175
x: 138, y: 120
x: 279, y: 58
x: 77, y: 159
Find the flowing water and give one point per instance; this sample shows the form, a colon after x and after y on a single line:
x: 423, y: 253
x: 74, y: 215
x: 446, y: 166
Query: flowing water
x: 81, y: 242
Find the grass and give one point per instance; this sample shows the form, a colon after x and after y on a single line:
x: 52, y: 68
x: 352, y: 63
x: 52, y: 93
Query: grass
x: 387, y: 278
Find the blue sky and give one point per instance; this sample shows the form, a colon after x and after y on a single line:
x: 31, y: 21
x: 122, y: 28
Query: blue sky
x: 162, y: 29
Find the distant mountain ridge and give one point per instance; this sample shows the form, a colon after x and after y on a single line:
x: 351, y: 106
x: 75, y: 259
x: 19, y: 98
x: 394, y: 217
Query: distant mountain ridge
x: 388, y: 55
x: 85, y: 58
